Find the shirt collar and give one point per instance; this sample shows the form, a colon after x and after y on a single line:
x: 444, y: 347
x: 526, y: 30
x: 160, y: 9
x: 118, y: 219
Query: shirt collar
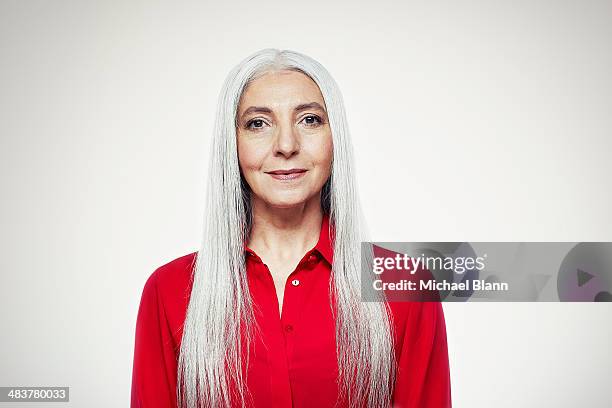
x: 325, y: 244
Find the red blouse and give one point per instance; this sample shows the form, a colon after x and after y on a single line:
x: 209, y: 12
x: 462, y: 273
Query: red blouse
x: 299, y: 366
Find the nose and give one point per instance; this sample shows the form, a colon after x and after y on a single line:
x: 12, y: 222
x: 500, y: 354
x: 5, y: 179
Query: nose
x: 287, y: 140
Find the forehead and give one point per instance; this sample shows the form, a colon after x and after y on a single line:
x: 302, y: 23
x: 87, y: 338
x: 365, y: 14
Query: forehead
x: 281, y: 88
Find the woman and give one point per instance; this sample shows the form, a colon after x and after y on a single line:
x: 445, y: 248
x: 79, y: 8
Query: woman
x: 268, y: 312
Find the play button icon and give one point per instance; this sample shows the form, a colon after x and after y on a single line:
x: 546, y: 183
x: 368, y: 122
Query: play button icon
x: 583, y: 277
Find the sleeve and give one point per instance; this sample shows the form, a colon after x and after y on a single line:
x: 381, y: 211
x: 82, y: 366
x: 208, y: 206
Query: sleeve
x: 423, y: 375
x: 154, y: 367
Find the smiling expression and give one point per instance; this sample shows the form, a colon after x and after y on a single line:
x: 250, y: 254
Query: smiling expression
x: 284, y: 139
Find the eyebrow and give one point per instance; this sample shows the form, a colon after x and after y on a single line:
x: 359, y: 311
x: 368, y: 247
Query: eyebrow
x: 299, y: 108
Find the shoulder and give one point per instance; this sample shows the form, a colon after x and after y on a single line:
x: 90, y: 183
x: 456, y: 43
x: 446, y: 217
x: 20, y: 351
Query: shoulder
x: 170, y: 283
x: 167, y: 291
x: 174, y: 272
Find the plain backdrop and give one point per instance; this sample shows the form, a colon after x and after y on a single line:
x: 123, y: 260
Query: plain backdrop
x: 477, y: 120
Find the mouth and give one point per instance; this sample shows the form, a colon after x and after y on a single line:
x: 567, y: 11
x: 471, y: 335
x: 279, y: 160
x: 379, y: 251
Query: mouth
x: 291, y: 174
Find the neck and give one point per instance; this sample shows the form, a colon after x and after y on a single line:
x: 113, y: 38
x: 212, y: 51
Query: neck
x: 285, y: 233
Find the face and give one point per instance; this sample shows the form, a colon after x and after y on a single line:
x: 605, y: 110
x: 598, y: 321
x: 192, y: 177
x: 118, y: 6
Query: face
x: 284, y: 139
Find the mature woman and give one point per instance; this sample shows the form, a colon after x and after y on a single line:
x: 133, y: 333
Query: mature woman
x: 268, y: 312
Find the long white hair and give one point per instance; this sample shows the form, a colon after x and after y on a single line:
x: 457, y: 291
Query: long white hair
x: 220, y: 306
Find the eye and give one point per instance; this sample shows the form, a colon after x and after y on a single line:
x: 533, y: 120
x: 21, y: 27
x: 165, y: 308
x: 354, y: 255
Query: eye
x: 254, y: 124
x: 312, y: 120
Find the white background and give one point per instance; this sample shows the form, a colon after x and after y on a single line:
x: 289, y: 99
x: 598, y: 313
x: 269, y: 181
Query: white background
x: 480, y: 121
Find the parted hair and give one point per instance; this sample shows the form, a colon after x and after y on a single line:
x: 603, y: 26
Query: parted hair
x: 220, y: 319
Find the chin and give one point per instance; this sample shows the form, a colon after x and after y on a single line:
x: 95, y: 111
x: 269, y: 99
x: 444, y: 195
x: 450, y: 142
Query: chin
x: 287, y: 202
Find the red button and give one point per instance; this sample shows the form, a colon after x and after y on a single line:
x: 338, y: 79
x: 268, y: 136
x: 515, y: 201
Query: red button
x: 312, y: 261
x: 288, y: 328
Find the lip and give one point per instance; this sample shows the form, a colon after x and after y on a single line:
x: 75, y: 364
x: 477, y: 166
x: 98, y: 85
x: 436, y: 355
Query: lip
x: 290, y: 174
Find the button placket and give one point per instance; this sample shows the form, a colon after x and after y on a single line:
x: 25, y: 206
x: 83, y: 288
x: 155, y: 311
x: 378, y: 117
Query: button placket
x: 294, y: 297
x: 291, y: 301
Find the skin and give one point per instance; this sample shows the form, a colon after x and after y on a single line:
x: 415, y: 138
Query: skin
x: 290, y: 132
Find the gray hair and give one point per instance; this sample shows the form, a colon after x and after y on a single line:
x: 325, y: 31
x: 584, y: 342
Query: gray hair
x: 221, y: 308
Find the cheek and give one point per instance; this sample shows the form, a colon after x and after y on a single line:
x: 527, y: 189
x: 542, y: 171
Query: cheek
x: 326, y: 153
x: 249, y: 157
